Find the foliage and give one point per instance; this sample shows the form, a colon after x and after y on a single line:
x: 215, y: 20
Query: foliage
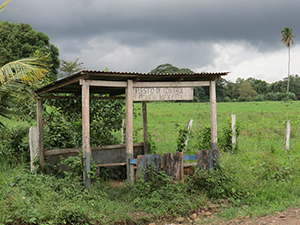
x: 20, y: 41
x: 183, y: 134
x: 14, y: 144
x: 217, y: 184
x: 69, y: 68
x: 168, y: 68
x: 63, y: 122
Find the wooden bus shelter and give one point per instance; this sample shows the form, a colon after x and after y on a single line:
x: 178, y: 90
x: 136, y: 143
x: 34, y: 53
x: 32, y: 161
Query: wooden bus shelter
x: 131, y: 87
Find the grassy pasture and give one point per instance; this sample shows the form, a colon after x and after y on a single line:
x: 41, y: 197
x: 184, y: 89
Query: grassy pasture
x: 261, y: 178
x: 262, y: 123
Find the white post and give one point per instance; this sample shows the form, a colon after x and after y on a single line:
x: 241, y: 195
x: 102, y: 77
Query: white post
x: 233, y: 128
x: 129, y: 129
x: 86, y: 133
x: 189, y: 127
x: 33, y: 145
x: 287, y: 135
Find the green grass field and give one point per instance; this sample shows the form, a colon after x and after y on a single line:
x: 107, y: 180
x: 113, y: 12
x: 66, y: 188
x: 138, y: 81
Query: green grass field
x: 259, y: 179
x: 262, y: 123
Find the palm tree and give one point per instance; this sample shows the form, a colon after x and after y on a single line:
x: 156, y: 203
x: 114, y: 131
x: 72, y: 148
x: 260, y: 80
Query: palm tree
x: 28, y: 71
x: 287, y: 39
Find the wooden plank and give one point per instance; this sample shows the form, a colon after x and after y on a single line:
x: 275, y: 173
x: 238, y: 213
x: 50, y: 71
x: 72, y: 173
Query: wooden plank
x: 204, y: 159
x: 51, y: 88
x: 79, y: 97
x: 189, y: 157
x: 103, y: 83
x: 162, y: 93
x: 145, y: 127
x: 86, y: 133
x: 97, y: 148
x: 62, y: 151
x: 173, y: 165
x: 171, y: 84
x: 129, y: 129
x: 40, y: 133
x: 213, y: 115
x: 111, y: 164
x: 145, y: 163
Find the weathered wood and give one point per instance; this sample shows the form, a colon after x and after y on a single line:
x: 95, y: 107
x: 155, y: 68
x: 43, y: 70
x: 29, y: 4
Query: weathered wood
x: 111, y: 164
x: 173, y: 165
x: 129, y: 129
x: 97, y: 148
x: 40, y: 133
x: 287, y: 135
x: 189, y: 127
x: 205, y: 159
x: 103, y: 83
x: 146, y: 165
x: 171, y: 84
x: 123, y: 134
x: 51, y: 88
x: 86, y: 133
x: 145, y: 127
x: 79, y: 97
x: 33, y: 145
x: 233, y: 128
x: 213, y: 115
x: 162, y: 94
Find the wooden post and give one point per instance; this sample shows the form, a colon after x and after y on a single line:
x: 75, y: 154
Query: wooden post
x: 40, y: 132
x: 145, y: 127
x: 287, y: 135
x: 189, y: 127
x: 233, y: 128
x: 86, y: 133
x: 129, y: 129
x: 173, y: 165
x: 205, y: 159
x: 33, y: 145
x: 213, y: 120
x: 146, y: 162
x: 122, y: 132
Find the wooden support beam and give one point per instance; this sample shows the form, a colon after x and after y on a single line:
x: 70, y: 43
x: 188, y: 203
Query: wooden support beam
x: 40, y: 133
x: 214, y: 160
x: 129, y: 129
x: 213, y: 115
x: 79, y: 97
x: 171, y: 84
x: 145, y: 127
x: 86, y: 134
x: 103, y: 83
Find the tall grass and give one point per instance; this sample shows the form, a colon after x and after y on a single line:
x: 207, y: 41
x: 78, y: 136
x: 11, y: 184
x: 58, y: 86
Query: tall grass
x: 260, y: 178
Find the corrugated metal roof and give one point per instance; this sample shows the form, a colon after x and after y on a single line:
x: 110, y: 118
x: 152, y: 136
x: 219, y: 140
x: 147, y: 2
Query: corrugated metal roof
x: 71, y: 84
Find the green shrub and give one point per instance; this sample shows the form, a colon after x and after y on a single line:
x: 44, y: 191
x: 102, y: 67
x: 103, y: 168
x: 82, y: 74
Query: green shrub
x: 14, y: 144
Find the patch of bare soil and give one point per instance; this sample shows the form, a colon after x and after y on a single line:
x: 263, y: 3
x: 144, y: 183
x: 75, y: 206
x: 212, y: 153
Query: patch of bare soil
x: 289, y: 217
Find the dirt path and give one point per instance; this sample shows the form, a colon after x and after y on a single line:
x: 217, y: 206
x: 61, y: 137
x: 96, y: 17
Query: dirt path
x: 289, y: 217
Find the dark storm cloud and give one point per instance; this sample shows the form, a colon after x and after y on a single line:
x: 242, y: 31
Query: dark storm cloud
x: 138, y: 22
x: 178, y: 32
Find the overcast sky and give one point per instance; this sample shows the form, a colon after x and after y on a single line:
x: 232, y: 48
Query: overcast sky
x: 241, y: 36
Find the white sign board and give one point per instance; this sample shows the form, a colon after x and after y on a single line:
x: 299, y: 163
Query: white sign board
x: 162, y: 93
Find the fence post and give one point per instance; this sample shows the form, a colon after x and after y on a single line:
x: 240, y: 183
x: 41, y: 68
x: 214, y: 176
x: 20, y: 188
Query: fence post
x: 189, y: 127
x: 33, y: 145
x: 233, y: 128
x: 287, y: 135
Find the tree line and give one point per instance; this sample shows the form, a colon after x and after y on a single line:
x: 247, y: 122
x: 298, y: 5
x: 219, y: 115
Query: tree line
x: 250, y: 89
